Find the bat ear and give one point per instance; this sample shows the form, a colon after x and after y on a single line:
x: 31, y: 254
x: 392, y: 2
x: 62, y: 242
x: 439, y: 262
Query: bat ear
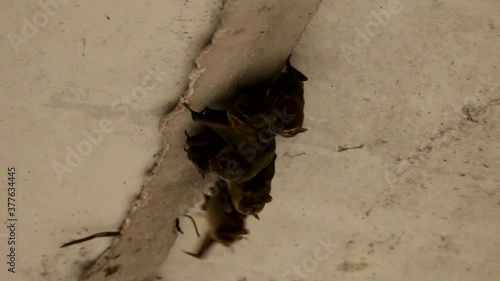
x: 268, y: 198
x: 290, y: 69
x: 302, y: 77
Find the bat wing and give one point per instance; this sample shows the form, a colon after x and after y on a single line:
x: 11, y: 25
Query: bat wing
x: 218, y: 121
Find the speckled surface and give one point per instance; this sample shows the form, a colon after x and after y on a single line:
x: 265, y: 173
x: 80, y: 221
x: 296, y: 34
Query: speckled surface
x: 419, y: 201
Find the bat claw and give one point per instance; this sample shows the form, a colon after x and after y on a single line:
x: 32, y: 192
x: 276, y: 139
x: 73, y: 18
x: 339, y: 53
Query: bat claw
x: 191, y: 254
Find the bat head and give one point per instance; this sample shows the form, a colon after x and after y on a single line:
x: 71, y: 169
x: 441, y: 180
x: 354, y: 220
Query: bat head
x: 288, y: 117
x: 229, y: 167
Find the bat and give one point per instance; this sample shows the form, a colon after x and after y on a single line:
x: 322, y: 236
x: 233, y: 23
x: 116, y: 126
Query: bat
x: 232, y: 163
x: 277, y: 104
x: 285, y: 103
x: 203, y: 147
x: 246, y: 112
x: 218, y: 121
x: 250, y: 197
x: 225, y: 226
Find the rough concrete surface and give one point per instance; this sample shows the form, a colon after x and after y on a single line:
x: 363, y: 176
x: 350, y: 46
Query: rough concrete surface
x: 420, y: 89
x: 248, y: 51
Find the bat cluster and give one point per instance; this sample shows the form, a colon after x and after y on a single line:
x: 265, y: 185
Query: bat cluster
x: 238, y: 145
